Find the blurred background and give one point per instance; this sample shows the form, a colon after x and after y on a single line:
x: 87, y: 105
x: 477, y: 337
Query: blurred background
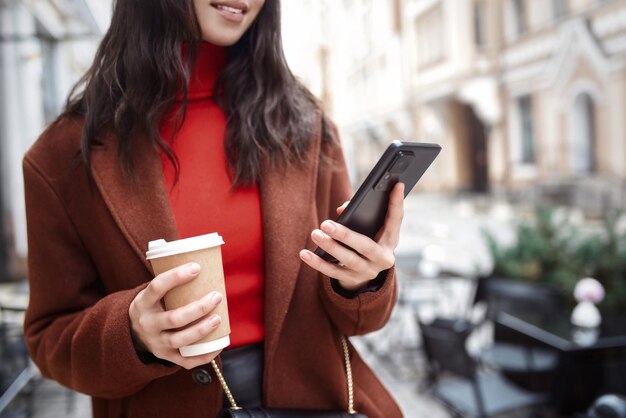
x: 527, y: 99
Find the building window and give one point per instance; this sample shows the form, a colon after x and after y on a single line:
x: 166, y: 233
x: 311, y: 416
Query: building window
x: 396, y: 12
x: 430, y: 37
x: 559, y: 8
x: 519, y: 16
x: 527, y: 135
x: 49, y: 78
x: 583, y: 138
x: 480, y: 26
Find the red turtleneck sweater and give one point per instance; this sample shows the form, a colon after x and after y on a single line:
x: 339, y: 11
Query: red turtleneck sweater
x: 203, y: 200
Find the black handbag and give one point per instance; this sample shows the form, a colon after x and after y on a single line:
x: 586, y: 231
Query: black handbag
x: 283, y: 413
x: 235, y: 411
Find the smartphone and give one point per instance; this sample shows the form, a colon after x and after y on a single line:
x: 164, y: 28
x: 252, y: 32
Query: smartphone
x: 402, y: 161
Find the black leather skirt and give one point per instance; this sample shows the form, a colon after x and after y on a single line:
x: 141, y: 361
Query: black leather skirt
x: 242, y: 368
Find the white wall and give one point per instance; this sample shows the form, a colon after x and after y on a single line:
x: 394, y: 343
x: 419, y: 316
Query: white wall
x: 22, y: 97
x: 22, y: 117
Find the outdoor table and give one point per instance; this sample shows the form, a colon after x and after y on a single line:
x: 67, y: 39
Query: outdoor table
x: 592, y: 362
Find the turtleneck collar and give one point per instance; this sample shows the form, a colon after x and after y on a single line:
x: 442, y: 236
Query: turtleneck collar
x: 210, y: 61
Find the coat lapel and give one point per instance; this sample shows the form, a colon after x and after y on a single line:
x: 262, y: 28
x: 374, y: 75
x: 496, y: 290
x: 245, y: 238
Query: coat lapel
x: 142, y: 211
x: 287, y: 202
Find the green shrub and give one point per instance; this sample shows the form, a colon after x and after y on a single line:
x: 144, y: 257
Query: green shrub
x: 558, y: 253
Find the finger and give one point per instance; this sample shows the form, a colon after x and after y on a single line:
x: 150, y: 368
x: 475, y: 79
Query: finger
x: 193, y: 333
x: 329, y: 269
x: 168, y: 280
x: 360, y: 243
x: 179, y: 317
x: 390, y: 233
x: 347, y: 257
x: 341, y: 208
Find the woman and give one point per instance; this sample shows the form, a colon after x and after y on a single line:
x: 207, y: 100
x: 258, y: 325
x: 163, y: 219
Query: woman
x: 190, y: 122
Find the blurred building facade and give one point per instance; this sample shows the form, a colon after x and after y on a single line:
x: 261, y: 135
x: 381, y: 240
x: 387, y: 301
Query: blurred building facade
x: 45, y: 46
x: 526, y: 93
x: 348, y: 53
x: 527, y: 97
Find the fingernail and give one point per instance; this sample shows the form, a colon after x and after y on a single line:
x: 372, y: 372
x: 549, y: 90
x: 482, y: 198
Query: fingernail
x: 216, y: 298
x: 193, y: 268
x: 328, y: 226
x: 215, y: 321
x: 318, y: 235
x: 305, y: 255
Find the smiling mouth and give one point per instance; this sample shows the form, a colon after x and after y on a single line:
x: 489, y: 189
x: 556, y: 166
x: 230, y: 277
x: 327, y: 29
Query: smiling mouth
x: 235, y: 8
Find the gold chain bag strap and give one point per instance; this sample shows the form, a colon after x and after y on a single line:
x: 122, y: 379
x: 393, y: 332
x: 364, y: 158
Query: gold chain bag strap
x: 235, y: 411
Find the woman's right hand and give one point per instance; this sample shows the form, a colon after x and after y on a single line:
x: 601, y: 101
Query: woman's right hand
x: 163, y: 332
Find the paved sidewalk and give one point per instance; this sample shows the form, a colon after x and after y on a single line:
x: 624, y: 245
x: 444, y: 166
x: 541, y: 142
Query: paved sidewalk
x: 48, y: 399
x: 448, y: 230
x: 403, y: 384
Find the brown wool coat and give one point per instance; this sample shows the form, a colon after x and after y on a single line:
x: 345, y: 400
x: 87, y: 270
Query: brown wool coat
x: 87, y: 244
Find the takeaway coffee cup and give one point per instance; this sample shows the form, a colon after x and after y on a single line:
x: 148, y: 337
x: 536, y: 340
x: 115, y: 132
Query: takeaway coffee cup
x: 206, y: 251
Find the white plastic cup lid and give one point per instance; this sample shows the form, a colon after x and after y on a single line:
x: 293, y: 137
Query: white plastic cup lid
x: 161, y: 248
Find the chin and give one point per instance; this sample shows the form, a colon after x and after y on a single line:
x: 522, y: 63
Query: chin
x: 222, y: 39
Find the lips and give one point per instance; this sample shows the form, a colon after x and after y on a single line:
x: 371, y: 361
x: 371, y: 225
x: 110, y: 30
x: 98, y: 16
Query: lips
x: 234, y: 7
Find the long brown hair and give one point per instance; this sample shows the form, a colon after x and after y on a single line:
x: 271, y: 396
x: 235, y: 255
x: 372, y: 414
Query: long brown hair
x: 138, y: 71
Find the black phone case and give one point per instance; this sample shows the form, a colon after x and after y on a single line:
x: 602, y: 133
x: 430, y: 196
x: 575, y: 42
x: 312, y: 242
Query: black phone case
x: 367, y: 210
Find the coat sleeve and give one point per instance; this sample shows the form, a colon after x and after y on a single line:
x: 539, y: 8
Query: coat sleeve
x: 75, y: 333
x: 367, y: 311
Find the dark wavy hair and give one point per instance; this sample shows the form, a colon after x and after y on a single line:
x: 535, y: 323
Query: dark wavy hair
x: 139, y: 70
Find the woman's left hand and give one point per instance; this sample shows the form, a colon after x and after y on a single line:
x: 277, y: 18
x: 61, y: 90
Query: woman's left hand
x: 368, y: 257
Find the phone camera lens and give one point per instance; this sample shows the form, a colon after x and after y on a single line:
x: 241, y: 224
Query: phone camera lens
x: 401, y: 164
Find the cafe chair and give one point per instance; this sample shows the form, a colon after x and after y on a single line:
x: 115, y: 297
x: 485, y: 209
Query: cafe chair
x: 517, y: 297
x: 457, y: 381
x: 16, y: 368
